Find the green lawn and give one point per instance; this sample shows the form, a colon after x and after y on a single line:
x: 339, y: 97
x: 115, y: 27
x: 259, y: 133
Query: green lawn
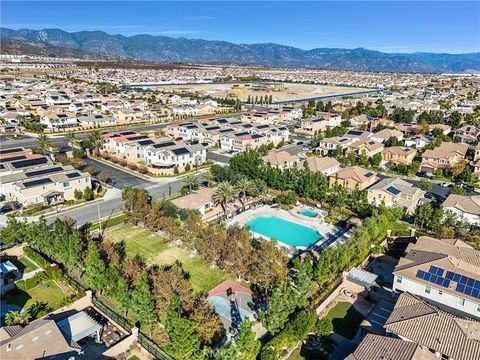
x: 345, y: 319
x: 47, y: 292
x: 156, y: 251
x: 24, y: 265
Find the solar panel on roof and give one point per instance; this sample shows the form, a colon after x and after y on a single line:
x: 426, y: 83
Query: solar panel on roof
x: 133, y: 138
x: 369, y: 174
x: 13, y: 158
x: 43, y: 172
x: 73, y: 175
x: 37, y: 182
x: 465, y: 285
x: 242, y: 133
x: 262, y: 126
x: 180, y: 151
x: 354, y: 132
x: 29, y: 162
x: 9, y: 151
x: 127, y: 132
x: 162, y: 145
x: 436, y: 270
x: 146, y: 142
x: 433, y: 278
x: 393, y: 190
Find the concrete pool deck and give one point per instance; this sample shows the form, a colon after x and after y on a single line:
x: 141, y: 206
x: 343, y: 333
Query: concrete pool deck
x: 316, y: 223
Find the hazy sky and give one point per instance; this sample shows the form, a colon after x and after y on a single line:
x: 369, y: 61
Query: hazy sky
x: 406, y: 26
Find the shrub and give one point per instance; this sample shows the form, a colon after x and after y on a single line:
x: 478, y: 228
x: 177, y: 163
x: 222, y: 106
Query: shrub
x: 188, y: 167
x: 288, y: 198
x: 132, y: 166
x: 36, y: 257
x: 122, y: 162
x: 142, y: 169
x: 88, y: 193
x: 324, y: 326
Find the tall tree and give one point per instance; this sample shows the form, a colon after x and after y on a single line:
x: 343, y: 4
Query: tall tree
x: 244, y: 187
x: 44, y: 142
x: 184, y: 339
x: 224, y: 195
x: 142, y: 303
x: 190, y: 181
x: 247, y: 346
x: 72, y: 138
x: 209, y: 326
x: 95, y: 138
x: 94, y: 268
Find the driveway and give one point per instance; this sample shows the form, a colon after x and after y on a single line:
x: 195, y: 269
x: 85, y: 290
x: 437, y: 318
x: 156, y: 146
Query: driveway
x: 118, y: 178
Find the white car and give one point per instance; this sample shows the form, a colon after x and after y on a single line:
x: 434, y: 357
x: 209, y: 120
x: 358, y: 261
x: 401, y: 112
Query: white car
x: 445, y: 185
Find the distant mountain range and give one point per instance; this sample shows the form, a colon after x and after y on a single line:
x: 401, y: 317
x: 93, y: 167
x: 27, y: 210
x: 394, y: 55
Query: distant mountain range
x: 166, y: 49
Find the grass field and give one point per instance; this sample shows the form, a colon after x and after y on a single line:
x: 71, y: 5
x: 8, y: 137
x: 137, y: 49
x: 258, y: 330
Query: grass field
x: 345, y: 319
x: 24, y: 265
x: 154, y: 249
x: 47, y: 292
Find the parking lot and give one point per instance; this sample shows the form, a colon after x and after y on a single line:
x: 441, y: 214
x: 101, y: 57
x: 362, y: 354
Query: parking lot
x: 118, y: 178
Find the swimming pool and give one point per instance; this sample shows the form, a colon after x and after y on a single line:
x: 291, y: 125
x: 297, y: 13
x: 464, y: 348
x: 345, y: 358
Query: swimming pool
x: 285, y: 231
x: 307, y: 212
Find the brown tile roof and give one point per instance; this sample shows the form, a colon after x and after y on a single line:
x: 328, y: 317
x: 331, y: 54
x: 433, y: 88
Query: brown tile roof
x: 467, y: 204
x: 446, y: 150
x: 376, y: 347
x: 279, y: 158
x: 416, y: 320
x: 318, y: 164
x: 354, y: 172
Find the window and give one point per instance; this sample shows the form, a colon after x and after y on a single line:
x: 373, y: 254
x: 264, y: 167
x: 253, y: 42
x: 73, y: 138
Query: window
x: 461, y: 301
x: 428, y: 289
x: 399, y: 279
x: 478, y: 307
x: 440, y: 292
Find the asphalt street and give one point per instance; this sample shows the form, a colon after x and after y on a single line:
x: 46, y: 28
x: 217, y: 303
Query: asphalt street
x: 104, y: 209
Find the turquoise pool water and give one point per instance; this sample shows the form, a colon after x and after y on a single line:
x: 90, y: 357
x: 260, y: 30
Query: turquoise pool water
x: 309, y: 213
x: 285, y: 231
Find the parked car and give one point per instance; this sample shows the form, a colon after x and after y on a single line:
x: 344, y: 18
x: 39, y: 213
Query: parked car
x: 445, y: 185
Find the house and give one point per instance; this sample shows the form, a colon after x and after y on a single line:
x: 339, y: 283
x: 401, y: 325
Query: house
x: 467, y: 134
x: 23, y: 162
x: 418, y: 141
x: 200, y: 200
x: 377, y: 347
x: 326, y: 165
x: 8, y: 275
x: 128, y: 115
x: 446, y: 335
x: 185, y: 110
x: 96, y: 120
x: 360, y: 121
x: 46, y: 338
x: 441, y: 271
x: 466, y: 207
x: 445, y: 155
x: 59, y: 120
x: 384, y: 135
x: 45, y: 186
x: 114, y: 143
x: 233, y: 303
x: 476, y: 168
x: 395, y: 192
x: 477, y: 153
x: 328, y: 145
x: 352, y: 178
x: 281, y: 159
x: 322, y: 123
x: 357, y: 135
x: 367, y: 147
x: 167, y: 155
x: 401, y: 155
x: 444, y: 129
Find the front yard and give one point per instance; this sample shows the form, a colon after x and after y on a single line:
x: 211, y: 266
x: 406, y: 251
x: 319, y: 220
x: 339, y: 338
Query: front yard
x: 158, y: 252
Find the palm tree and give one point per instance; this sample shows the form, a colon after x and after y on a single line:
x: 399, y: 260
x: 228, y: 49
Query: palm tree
x: 190, y: 181
x: 16, y: 318
x: 209, y: 177
x: 96, y: 139
x: 72, y: 139
x: 44, y: 142
x: 224, y: 195
x: 244, y: 187
x: 36, y: 308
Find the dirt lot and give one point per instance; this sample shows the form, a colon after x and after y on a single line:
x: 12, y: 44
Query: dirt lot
x: 279, y: 91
